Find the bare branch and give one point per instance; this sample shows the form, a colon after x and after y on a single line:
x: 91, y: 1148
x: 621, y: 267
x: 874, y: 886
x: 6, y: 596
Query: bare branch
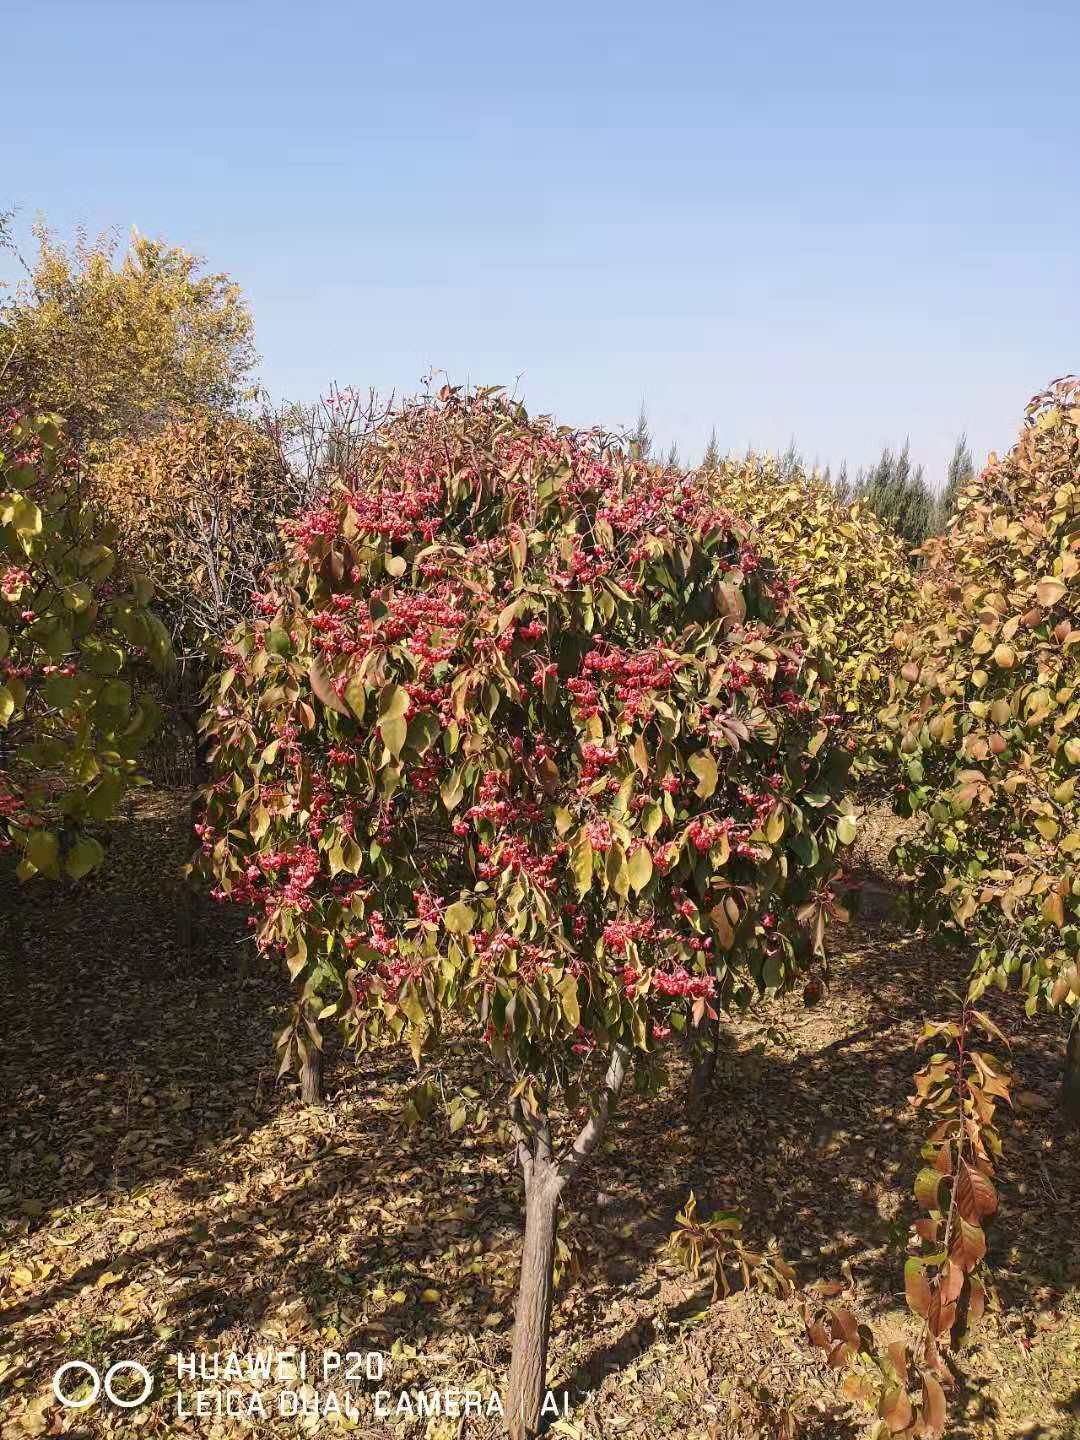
x: 592, y: 1132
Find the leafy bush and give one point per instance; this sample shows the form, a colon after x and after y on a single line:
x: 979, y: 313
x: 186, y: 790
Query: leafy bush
x: 984, y: 714
x: 71, y: 724
x: 197, y: 506
x: 527, y: 734
x: 118, y: 348
x: 849, y: 571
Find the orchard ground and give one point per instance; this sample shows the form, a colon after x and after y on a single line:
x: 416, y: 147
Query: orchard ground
x: 159, y: 1193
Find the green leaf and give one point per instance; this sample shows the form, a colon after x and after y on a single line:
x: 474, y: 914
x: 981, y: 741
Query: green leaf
x: 393, y: 701
x: 7, y: 704
x: 26, y: 516
x: 102, y: 801
x: 278, y: 641
x: 85, y: 855
x: 60, y: 691
x: 42, y: 849
x: 393, y: 729
x: 847, y: 827
x: 356, y: 696
x: 452, y: 789
x: 78, y: 597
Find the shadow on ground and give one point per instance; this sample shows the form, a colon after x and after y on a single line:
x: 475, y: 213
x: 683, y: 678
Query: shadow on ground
x: 163, y: 1195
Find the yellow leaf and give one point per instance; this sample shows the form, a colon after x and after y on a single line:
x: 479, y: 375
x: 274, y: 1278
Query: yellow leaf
x: 640, y: 868
x: 704, y: 767
x: 459, y: 919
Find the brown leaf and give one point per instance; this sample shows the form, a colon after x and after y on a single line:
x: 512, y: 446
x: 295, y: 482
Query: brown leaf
x: 917, y: 1287
x: 845, y: 1327
x: 897, y: 1353
x: 934, y: 1415
x: 968, y: 1245
x: 894, y: 1407
x: 975, y: 1195
x: 321, y: 685
x: 941, y: 1315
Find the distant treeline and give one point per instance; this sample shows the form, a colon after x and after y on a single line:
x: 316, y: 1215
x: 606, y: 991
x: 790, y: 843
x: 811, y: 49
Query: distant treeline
x: 894, y: 488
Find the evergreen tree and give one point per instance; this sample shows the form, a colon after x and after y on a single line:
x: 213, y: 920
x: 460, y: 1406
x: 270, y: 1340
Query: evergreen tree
x: 710, y: 461
x: 790, y: 461
x: 898, y: 494
x: 640, y: 439
x: 673, y: 457
x: 961, y: 470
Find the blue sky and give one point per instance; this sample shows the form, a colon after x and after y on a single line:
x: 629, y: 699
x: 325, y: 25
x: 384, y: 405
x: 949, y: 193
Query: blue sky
x: 841, y: 222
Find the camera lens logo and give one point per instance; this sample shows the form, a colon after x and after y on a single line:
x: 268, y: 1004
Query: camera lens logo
x: 95, y: 1384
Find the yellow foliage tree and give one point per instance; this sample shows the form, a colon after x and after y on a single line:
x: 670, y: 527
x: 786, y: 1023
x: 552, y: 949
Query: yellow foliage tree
x: 985, y: 715
x: 849, y: 570
x: 118, y: 344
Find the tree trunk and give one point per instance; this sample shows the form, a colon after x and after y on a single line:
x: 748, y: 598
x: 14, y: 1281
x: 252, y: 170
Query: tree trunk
x: 546, y: 1176
x: 197, y: 775
x: 311, y: 1075
x: 702, y: 1070
x: 1070, y: 1085
x: 532, y: 1322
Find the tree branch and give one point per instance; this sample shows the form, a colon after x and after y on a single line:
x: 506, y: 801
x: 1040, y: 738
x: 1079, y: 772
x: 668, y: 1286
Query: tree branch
x: 592, y: 1132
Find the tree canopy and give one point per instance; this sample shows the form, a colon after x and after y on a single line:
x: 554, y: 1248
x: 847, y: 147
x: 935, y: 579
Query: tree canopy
x: 72, y: 718
x: 528, y: 733
x: 118, y: 344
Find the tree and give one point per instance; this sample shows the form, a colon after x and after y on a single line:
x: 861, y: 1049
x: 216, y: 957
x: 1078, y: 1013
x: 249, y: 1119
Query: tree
x: 791, y: 462
x: 710, y: 461
x: 848, y: 569
x: 960, y: 473
x: 118, y: 347
x: 983, y: 717
x: 899, y: 495
x: 529, y: 745
x: 197, y: 506
x: 640, y: 439
x: 72, y: 718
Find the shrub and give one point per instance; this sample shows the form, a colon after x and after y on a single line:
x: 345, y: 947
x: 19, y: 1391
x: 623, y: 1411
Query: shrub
x: 528, y: 735
x: 849, y: 571
x: 984, y: 713
x: 197, y: 506
x: 71, y: 722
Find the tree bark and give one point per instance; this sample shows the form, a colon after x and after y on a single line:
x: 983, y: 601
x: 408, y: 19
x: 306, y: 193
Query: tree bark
x: 702, y: 1070
x: 546, y: 1176
x: 311, y: 1075
x: 1070, y: 1084
x: 532, y: 1321
x: 199, y: 771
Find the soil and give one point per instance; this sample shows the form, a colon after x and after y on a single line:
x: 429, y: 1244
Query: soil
x: 161, y: 1194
